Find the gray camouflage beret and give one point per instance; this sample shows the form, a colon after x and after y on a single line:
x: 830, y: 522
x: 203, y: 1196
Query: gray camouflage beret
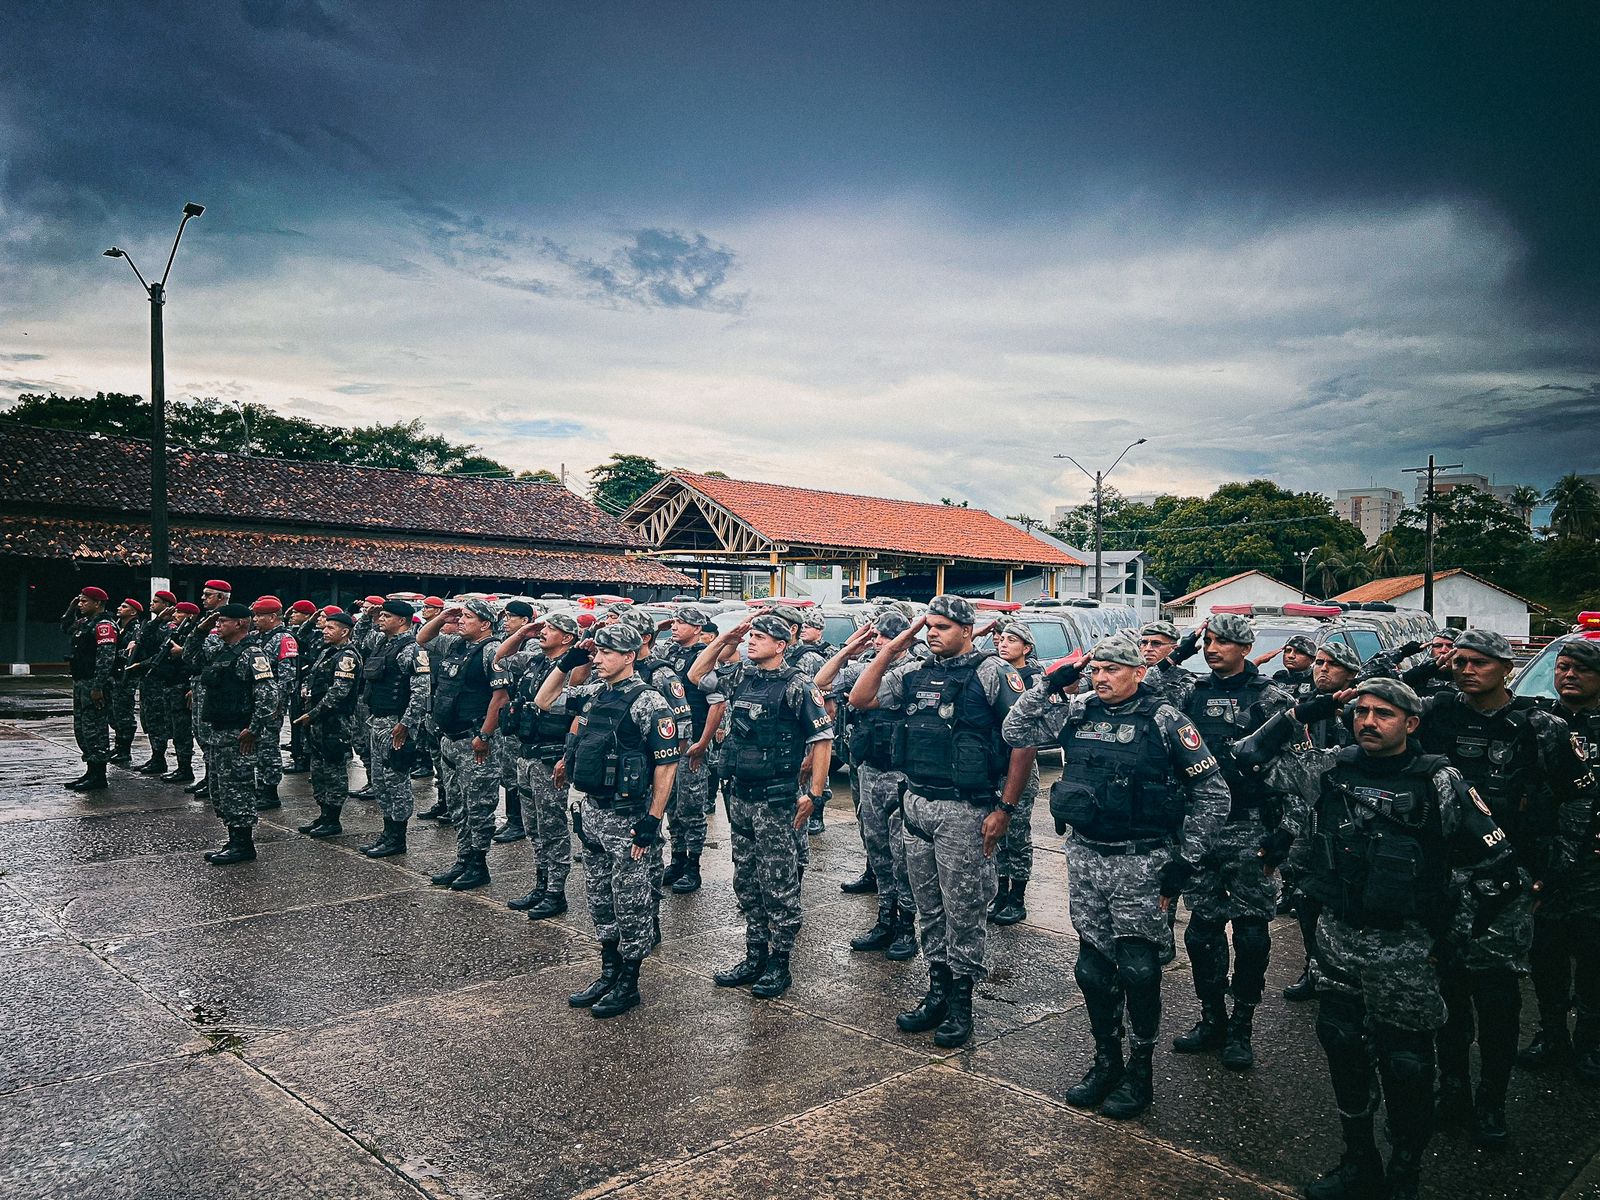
x: 642, y: 621
x: 1340, y: 654
x: 1117, y: 650
x: 1391, y: 691
x: 1485, y: 641
x: 812, y: 618
x: 1164, y: 629
x: 1581, y: 651
x: 953, y: 608
x: 481, y: 609
x: 1231, y: 627
x: 689, y: 614
x: 789, y: 613
x: 773, y: 626
x: 890, y: 623
x: 565, y: 622
x: 1018, y: 629
x: 620, y: 636
x: 1447, y: 634
x: 1302, y: 643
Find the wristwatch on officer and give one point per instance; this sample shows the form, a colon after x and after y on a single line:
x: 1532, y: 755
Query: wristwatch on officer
x: 816, y: 801
x: 1008, y: 809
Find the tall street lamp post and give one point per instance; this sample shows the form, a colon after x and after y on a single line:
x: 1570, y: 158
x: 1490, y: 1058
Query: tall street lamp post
x: 160, y: 556
x: 1098, y: 479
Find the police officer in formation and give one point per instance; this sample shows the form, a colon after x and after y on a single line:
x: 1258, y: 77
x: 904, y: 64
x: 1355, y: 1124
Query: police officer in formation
x: 327, y: 718
x: 282, y: 651
x: 125, y: 682
x: 659, y: 674
x: 686, y: 820
x: 240, y: 698
x: 395, y: 676
x: 1144, y: 799
x: 92, y: 660
x: 471, y: 692
x: 621, y: 760
x: 1234, y: 883
x: 149, y: 648
x: 1295, y: 677
x: 777, y: 727
x: 303, y: 619
x: 954, y: 759
x: 1013, y: 641
x: 1158, y: 646
x: 200, y: 643
x: 171, y: 673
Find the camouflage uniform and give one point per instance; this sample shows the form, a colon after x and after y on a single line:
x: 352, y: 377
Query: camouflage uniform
x: 367, y: 637
x: 620, y: 894
x: 1013, y: 857
x: 667, y: 682
x: 93, y: 663
x: 150, y: 645
x: 471, y: 788
x: 282, y: 651
x: 391, y: 788
x: 327, y: 697
x: 124, y: 687
x: 170, y: 677
x: 544, y: 804
x: 1172, y: 681
x: 199, y: 648
x: 878, y: 790
x: 244, y: 670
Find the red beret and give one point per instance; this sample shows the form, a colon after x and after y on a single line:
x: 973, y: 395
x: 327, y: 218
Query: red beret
x: 331, y: 610
x: 219, y: 585
x: 586, y: 619
x: 303, y: 606
x: 163, y: 594
x: 134, y: 604
x: 94, y: 593
x: 187, y: 606
x: 267, y: 604
x: 378, y: 600
x: 432, y: 602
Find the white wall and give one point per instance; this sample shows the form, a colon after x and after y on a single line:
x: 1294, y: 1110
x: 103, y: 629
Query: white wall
x: 1252, y: 589
x: 1481, y: 606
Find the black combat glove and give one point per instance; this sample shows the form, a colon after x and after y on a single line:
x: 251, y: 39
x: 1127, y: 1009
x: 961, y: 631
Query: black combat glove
x: 1410, y: 648
x: 1319, y: 708
x: 1274, y: 847
x: 576, y: 657
x: 1062, y: 676
x: 645, y: 830
x: 1188, y: 646
x: 1172, y: 878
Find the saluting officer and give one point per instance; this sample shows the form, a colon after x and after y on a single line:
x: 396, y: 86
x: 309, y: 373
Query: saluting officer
x: 777, y: 726
x: 1158, y: 645
x: 241, y: 700
x: 198, y: 647
x: 954, y: 759
x: 282, y: 651
x: 621, y: 761
x: 518, y: 615
x: 1013, y: 858
x: 1144, y: 799
x: 303, y: 625
x: 171, y: 673
x: 148, y: 651
x: 395, y: 677
x: 686, y: 820
x: 659, y: 675
x: 327, y: 720
x: 1296, y: 676
x: 92, y: 660
x: 125, y: 682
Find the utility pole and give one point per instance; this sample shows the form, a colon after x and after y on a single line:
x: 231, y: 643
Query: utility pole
x: 1098, y: 479
x: 1305, y: 558
x: 1430, y: 470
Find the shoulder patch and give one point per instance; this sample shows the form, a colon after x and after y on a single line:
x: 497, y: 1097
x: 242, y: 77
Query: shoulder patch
x: 261, y: 668
x: 667, y: 728
x: 420, y: 666
x: 1015, y: 681
x: 105, y: 633
x: 288, y: 647
x: 817, y: 697
x: 676, y: 689
x: 1478, y: 802
x: 1189, y: 736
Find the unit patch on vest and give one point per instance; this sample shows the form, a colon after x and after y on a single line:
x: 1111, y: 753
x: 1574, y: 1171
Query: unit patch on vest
x: 1015, y: 681
x: 421, y: 667
x: 1125, y: 733
x: 1581, y: 747
x: 1500, y: 753
x: 676, y: 689
x: 1221, y: 708
x: 1471, y: 747
x: 263, y: 669
x: 1189, y: 736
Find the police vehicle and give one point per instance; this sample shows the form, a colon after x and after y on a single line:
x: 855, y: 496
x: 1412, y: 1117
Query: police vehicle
x: 1538, y: 678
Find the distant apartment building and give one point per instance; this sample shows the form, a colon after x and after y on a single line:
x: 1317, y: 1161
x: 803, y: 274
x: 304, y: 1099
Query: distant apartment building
x: 1444, y: 484
x: 1373, y: 510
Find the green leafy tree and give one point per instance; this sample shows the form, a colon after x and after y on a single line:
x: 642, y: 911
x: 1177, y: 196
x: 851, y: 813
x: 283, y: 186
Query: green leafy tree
x: 616, y: 483
x: 539, y: 476
x: 1577, y: 508
x: 1524, y: 500
x: 1472, y: 530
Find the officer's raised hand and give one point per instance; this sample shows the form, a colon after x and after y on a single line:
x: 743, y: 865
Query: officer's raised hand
x: 1064, y: 673
x: 862, y: 637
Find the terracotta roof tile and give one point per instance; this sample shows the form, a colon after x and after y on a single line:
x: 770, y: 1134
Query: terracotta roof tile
x: 1395, y: 586
x: 810, y: 517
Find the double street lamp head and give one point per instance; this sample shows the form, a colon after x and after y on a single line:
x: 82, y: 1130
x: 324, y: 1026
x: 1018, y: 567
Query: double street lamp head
x: 193, y: 210
x: 114, y: 253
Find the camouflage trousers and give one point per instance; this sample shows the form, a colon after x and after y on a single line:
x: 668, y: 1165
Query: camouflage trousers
x: 951, y: 879
x: 1388, y: 970
x: 174, y: 700
x: 1013, y: 857
x: 363, y: 746
x: 124, y: 704
x: 621, y: 900
x: 878, y: 813
x: 544, y: 814
x: 766, y: 869
x: 1503, y: 944
x: 472, y: 791
x: 232, y: 776
x: 269, y: 756
x: 390, y: 788
x: 1230, y: 883
x: 506, y: 748
x: 91, y: 722
x: 686, y: 818
x: 197, y: 706
x: 1113, y: 896
x: 330, y: 764
x: 153, y: 714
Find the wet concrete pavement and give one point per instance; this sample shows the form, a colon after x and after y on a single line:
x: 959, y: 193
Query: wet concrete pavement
x: 319, y: 1024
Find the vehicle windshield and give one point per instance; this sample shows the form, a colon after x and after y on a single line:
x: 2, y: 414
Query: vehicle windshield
x: 837, y: 630
x: 1538, y: 678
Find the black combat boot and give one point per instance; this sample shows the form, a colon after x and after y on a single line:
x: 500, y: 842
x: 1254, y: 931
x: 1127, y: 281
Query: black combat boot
x: 1002, y: 893
x: 610, y: 964
x: 1302, y: 989
x: 1209, y: 1032
x: 523, y: 903
x: 751, y: 969
x: 1013, y: 910
x: 1489, y: 1121
x: 1549, y: 1046
x: 1405, y: 1170
x: 689, y: 881
x: 241, y: 847
x: 1455, y: 1100
x: 122, y: 752
x: 439, y: 809
x: 935, y: 1004
x: 364, y: 792
x: 624, y: 993
x: 775, y: 980
x: 551, y: 904
x: 1237, y: 1053
x: 477, y: 873
x: 326, y: 823
x: 93, y: 781
x: 267, y: 798
x: 957, y: 1025
x: 158, y: 760
x: 1359, y: 1175
x: 512, y: 830
x: 867, y: 882
x: 423, y: 769
x: 297, y: 766
x: 675, y: 868
x: 182, y: 773
x: 453, y: 872
x: 391, y: 843
x: 881, y: 935
x: 1133, y: 1094
x: 1102, y: 1076
x: 904, y: 945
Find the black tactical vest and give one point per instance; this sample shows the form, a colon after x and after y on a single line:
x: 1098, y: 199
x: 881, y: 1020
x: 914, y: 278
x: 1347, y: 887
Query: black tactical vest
x: 608, y: 760
x: 387, y: 689
x: 1498, y: 753
x: 84, y: 647
x: 1378, y: 854
x: 949, y: 743
x: 1115, y: 785
x: 228, y: 699
x: 764, y: 744
x: 1222, y: 715
x: 461, y: 701
x: 543, y: 735
x: 1298, y: 684
x: 319, y: 682
x: 166, y: 667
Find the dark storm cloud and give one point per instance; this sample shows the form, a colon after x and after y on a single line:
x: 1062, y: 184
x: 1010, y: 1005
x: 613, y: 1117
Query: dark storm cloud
x: 299, y: 16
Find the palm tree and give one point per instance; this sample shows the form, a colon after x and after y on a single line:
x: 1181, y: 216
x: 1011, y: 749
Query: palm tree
x: 1576, y: 512
x: 1384, y: 557
x: 1524, y: 499
x: 1330, y: 569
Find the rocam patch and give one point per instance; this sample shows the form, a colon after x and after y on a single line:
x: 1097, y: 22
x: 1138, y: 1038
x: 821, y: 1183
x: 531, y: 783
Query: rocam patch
x: 667, y: 728
x: 1189, y: 736
x: 1015, y: 681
